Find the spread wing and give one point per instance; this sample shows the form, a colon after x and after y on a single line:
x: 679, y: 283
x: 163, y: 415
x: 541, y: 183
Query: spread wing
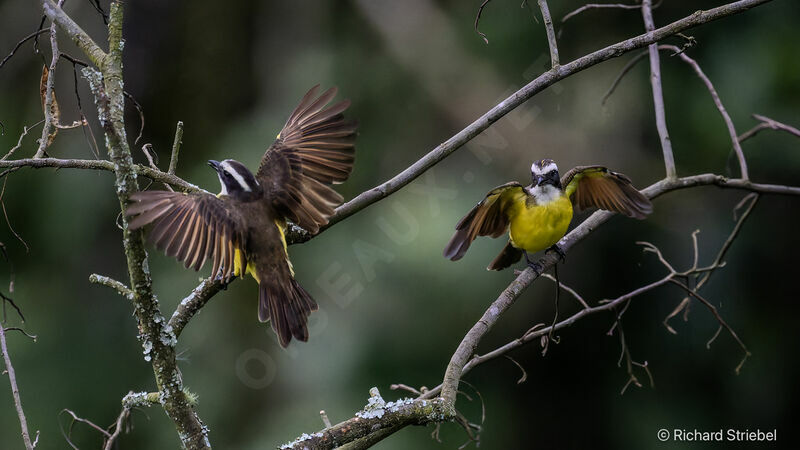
x: 596, y: 186
x: 487, y: 218
x: 191, y: 228
x: 314, y: 149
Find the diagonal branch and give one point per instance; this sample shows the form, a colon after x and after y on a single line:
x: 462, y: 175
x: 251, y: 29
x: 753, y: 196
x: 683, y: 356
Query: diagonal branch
x: 457, y: 366
x: 737, y: 147
x: 540, y: 83
x: 78, y: 36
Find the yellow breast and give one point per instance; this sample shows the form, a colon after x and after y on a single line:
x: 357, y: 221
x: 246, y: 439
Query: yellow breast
x: 536, y: 227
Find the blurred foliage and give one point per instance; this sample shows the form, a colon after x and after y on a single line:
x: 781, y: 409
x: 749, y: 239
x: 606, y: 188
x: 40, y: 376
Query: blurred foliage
x: 416, y: 73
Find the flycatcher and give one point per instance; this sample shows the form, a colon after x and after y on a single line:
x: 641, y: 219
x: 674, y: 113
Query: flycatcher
x: 537, y: 216
x: 242, y: 228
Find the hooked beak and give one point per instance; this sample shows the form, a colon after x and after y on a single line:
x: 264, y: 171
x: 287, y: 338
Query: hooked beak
x: 214, y: 164
x: 539, y: 179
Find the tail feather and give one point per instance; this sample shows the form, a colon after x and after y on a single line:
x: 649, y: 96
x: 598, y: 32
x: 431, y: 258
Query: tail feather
x: 507, y: 257
x: 287, y: 307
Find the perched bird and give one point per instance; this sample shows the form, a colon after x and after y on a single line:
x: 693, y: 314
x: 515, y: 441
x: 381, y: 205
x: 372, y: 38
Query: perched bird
x: 538, y: 215
x: 242, y: 228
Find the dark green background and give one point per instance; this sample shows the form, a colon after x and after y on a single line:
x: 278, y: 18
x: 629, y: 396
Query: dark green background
x: 416, y: 73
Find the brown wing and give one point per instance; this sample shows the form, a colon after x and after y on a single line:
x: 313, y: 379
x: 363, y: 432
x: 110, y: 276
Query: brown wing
x: 596, y: 186
x: 487, y: 218
x: 191, y: 228
x: 316, y: 148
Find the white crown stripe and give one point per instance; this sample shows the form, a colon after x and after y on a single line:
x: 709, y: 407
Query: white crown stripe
x: 236, y: 176
x: 544, y: 170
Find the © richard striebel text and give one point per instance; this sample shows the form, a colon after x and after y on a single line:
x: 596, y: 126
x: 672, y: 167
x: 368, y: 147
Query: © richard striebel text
x: 721, y: 435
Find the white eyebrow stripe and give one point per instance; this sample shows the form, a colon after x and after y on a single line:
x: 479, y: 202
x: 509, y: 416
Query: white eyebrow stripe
x: 236, y: 176
x: 544, y: 170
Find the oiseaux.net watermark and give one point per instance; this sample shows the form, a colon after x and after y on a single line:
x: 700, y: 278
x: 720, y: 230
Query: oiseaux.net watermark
x: 720, y: 435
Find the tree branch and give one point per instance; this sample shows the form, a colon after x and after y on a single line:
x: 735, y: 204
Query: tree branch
x: 658, y: 96
x: 49, y: 102
x: 192, y: 304
x: 101, y: 164
x: 543, y: 81
x: 723, y: 112
x: 176, y: 148
x: 457, y: 366
x: 12, y: 378
x: 551, y: 34
x: 378, y: 417
x: 78, y: 36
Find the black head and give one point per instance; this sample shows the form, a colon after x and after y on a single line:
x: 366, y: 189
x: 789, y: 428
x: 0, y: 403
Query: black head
x: 545, y: 172
x: 236, y: 180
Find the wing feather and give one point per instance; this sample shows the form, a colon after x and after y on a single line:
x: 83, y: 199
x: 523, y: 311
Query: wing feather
x: 487, y: 218
x: 190, y: 227
x: 598, y: 187
x: 314, y: 149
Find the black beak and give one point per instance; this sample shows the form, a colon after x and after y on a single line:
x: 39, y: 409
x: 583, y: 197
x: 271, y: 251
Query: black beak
x: 214, y: 164
x: 539, y: 180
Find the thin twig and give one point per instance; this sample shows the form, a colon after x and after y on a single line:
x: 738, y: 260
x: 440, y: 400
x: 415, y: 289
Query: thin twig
x: 478, y: 18
x: 118, y: 286
x: 625, y: 69
x: 718, y: 261
x: 766, y: 123
x: 19, y: 44
x: 176, y: 148
x: 569, y: 290
x: 723, y: 112
x: 598, y: 6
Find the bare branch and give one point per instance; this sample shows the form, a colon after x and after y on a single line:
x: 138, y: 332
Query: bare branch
x: 545, y: 80
x: 458, y: 362
x: 658, y: 96
x: 478, y: 18
x: 81, y: 39
x: 377, y: 416
x: 766, y: 122
x: 176, y: 148
x: 551, y: 33
x: 118, y: 286
x: 598, y: 6
x: 725, y: 116
x: 12, y: 378
x: 101, y: 164
x: 49, y: 105
x: 718, y: 261
x: 19, y: 44
x: 192, y: 304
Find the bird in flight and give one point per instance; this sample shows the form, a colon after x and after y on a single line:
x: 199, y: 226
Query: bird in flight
x: 242, y: 229
x: 537, y: 216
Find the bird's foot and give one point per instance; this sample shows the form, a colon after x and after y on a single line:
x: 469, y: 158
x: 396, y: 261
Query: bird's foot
x: 534, y: 265
x: 557, y: 249
x: 224, y: 282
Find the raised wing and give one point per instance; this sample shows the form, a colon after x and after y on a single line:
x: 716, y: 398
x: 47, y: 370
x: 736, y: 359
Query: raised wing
x: 316, y: 148
x: 596, y: 186
x: 487, y: 218
x: 191, y: 228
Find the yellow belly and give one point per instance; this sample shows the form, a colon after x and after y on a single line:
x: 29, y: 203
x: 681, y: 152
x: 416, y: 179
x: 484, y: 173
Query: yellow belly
x: 251, y: 268
x: 536, y: 227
